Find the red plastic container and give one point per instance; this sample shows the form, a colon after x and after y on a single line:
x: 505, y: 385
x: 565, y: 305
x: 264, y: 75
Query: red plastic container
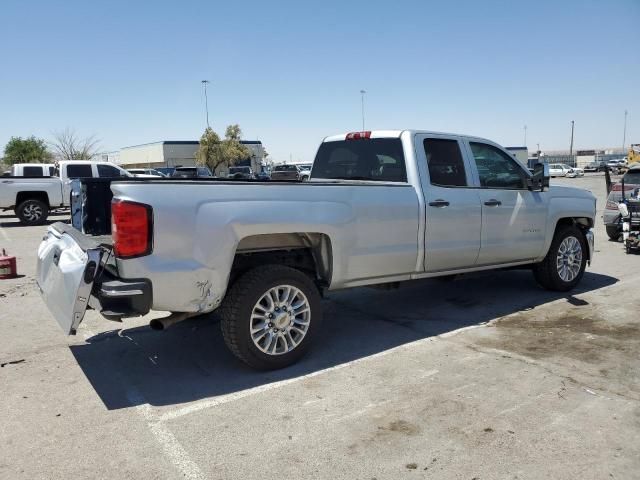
x: 8, y: 267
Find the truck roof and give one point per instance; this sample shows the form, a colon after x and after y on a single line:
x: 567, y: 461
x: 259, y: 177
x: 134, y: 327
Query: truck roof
x: 398, y: 133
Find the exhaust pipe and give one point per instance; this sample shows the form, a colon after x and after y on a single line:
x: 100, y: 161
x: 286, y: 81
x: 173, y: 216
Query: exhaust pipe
x: 165, y: 322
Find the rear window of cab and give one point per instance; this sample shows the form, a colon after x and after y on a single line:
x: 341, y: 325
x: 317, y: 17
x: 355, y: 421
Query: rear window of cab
x: 374, y: 159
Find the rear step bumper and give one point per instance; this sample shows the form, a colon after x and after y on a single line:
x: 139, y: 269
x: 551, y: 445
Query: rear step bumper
x: 115, y: 298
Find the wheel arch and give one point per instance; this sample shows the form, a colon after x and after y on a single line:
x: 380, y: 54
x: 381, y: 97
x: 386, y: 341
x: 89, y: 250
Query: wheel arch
x: 32, y: 195
x: 310, y: 252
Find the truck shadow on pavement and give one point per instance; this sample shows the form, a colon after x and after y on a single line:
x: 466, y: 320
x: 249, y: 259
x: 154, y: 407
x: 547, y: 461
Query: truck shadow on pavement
x: 190, y: 362
x: 11, y: 221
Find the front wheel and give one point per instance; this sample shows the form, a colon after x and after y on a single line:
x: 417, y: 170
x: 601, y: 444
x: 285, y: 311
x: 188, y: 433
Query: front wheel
x: 566, y: 260
x: 613, y: 232
x: 270, y: 316
x: 32, y: 212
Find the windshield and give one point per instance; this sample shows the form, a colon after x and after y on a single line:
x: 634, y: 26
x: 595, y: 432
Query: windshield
x: 377, y: 159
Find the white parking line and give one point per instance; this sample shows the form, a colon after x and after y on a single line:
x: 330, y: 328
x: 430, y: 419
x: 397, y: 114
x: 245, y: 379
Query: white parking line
x: 172, y: 448
x: 221, y: 400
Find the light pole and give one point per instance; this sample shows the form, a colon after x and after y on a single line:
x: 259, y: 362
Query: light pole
x: 362, y: 92
x: 206, y: 100
x: 525, y: 136
x: 624, y: 134
x: 571, y: 145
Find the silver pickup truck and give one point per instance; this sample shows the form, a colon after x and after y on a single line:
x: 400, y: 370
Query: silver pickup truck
x: 33, y: 190
x: 380, y: 208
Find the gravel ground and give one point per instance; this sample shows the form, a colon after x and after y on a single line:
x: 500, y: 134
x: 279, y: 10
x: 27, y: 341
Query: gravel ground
x: 484, y: 377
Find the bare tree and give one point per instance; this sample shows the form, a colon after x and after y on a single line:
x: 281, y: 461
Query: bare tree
x: 69, y: 146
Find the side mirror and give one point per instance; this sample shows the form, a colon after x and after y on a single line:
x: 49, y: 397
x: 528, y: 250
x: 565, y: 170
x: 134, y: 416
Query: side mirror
x: 540, y: 178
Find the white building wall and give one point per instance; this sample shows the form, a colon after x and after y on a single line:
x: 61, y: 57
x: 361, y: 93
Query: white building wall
x: 150, y: 154
x: 183, y: 155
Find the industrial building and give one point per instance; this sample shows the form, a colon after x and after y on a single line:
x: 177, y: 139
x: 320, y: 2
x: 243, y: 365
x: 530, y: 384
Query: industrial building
x: 521, y: 153
x: 175, y: 153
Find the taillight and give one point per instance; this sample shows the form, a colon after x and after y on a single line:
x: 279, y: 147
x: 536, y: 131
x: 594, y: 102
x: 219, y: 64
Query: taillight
x: 131, y: 228
x: 358, y: 135
x: 611, y: 205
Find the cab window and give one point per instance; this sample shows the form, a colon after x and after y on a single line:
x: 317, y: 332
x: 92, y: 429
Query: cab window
x: 107, y: 171
x: 79, y: 171
x: 32, y: 171
x: 496, y: 169
x: 376, y: 159
x: 446, y: 166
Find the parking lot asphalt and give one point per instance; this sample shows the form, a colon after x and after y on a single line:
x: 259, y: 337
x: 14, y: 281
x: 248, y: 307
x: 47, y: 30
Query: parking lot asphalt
x: 484, y: 377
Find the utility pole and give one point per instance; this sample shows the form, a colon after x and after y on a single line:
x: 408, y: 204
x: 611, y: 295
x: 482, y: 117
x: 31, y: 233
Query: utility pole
x: 525, y: 136
x: 624, y: 135
x: 571, y: 145
x: 206, y: 100
x: 362, y: 92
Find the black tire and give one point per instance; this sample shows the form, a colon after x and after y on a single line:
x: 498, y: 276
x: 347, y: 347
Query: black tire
x: 546, y: 272
x: 32, y: 212
x: 613, y: 232
x: 238, y: 305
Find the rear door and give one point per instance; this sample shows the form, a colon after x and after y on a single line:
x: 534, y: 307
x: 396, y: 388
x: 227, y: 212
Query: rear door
x: 513, y: 217
x: 453, y: 213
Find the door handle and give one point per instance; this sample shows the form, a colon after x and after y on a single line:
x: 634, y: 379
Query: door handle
x: 7, y: 181
x: 493, y: 203
x: 439, y: 203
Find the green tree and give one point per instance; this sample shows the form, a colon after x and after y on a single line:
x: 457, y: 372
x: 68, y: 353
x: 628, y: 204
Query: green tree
x: 234, y: 150
x: 210, y: 151
x: 26, y: 150
x: 215, y: 153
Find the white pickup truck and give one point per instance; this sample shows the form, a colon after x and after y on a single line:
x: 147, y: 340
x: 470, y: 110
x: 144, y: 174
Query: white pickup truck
x: 32, y: 191
x: 381, y: 208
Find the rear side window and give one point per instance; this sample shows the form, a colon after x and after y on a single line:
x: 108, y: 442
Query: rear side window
x: 446, y: 167
x: 32, y: 171
x: 377, y: 159
x: 79, y: 171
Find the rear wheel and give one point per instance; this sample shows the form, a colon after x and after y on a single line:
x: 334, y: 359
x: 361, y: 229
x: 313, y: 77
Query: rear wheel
x: 566, y: 260
x: 32, y: 212
x: 613, y: 232
x: 270, y: 316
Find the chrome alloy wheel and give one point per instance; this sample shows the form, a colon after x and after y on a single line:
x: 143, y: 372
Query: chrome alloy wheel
x: 280, y: 320
x: 32, y: 212
x: 569, y: 259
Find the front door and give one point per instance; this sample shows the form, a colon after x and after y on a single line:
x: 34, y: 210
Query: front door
x: 453, y: 212
x: 513, y: 217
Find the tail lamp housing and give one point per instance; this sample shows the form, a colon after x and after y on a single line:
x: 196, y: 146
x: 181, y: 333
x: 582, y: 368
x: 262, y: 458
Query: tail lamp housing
x: 131, y: 229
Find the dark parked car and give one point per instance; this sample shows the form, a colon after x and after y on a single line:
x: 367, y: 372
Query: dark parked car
x: 192, y: 172
x: 263, y: 176
x: 595, y: 167
x: 286, y: 172
x: 240, y: 173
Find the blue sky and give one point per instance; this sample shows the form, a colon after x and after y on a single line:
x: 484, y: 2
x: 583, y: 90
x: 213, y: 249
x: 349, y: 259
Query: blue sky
x: 290, y: 72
